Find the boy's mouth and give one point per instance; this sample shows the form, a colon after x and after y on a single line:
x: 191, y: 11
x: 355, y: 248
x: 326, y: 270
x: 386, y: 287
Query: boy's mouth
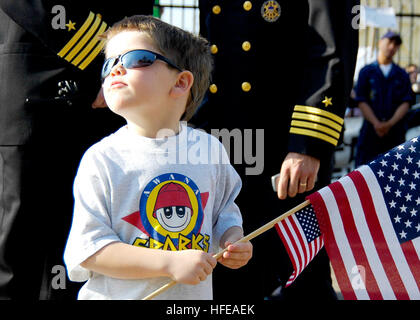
x: 118, y: 84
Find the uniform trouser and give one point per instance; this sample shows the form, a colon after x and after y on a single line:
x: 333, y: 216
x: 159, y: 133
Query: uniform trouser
x: 36, y: 200
x: 10, y: 206
x: 34, y: 217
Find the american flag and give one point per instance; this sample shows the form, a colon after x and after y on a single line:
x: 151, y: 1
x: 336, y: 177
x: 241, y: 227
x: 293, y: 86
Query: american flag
x: 302, y: 239
x: 370, y: 220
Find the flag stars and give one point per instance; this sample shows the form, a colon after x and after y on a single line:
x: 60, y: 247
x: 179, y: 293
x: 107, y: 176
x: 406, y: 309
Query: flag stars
x: 398, y: 173
x: 414, y: 139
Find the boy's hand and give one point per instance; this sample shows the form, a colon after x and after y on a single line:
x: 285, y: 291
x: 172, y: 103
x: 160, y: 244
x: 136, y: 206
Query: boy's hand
x: 237, y: 255
x: 191, y: 266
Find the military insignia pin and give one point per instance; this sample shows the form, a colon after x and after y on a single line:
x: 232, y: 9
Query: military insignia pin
x: 327, y: 101
x: 270, y: 10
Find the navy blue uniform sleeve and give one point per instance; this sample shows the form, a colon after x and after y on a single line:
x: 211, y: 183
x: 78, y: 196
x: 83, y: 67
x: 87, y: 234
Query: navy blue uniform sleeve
x: 332, y: 42
x: 70, y: 28
x: 407, y: 95
x: 362, y: 87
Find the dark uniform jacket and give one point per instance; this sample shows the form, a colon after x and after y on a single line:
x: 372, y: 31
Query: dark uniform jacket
x: 43, y: 42
x: 285, y: 67
x: 50, y: 62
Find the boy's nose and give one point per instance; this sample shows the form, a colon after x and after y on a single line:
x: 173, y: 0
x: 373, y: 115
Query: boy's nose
x: 118, y: 70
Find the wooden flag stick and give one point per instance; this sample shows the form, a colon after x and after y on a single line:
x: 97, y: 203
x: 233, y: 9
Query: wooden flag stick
x: 249, y: 237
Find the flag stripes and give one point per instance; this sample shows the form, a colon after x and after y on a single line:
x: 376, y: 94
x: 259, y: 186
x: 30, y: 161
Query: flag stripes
x: 398, y: 256
x: 361, y: 241
x: 295, y: 235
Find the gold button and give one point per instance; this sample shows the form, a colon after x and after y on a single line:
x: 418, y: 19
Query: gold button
x: 213, y: 88
x: 214, y: 49
x: 247, y: 5
x: 246, y: 86
x: 246, y: 46
x: 216, y: 9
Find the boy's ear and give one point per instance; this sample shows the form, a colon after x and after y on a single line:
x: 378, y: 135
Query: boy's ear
x: 183, y: 83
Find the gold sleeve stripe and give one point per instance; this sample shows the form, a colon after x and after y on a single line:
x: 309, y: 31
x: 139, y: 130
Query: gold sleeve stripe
x: 320, y: 112
x: 315, y: 126
x: 92, y: 55
x: 85, y: 39
x: 77, y: 36
x: 318, y: 119
x: 91, y: 44
x: 314, y: 134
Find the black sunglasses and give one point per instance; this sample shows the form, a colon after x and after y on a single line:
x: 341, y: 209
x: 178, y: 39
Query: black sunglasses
x: 134, y: 59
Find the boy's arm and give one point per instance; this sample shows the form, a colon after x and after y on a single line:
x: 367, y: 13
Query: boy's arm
x: 227, y: 216
x: 123, y: 261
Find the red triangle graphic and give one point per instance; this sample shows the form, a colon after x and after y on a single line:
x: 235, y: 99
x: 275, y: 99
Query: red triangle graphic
x: 204, y: 198
x: 135, y: 220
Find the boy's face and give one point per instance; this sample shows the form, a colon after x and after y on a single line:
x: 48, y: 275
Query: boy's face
x: 140, y: 92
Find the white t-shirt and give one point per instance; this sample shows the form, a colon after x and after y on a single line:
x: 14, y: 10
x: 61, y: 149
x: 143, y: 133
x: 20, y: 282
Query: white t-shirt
x: 385, y: 68
x: 172, y: 193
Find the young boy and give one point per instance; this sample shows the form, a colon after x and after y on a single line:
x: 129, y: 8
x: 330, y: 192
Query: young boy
x: 140, y: 217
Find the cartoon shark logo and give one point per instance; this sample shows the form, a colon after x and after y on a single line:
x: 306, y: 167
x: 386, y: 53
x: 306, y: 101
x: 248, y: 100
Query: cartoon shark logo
x: 173, y: 207
x: 171, y: 212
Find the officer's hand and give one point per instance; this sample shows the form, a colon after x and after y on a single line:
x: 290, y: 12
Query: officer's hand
x: 100, y: 100
x: 297, y: 175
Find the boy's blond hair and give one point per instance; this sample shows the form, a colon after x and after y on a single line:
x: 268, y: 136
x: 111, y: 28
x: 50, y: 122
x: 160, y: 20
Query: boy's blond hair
x: 184, y: 49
